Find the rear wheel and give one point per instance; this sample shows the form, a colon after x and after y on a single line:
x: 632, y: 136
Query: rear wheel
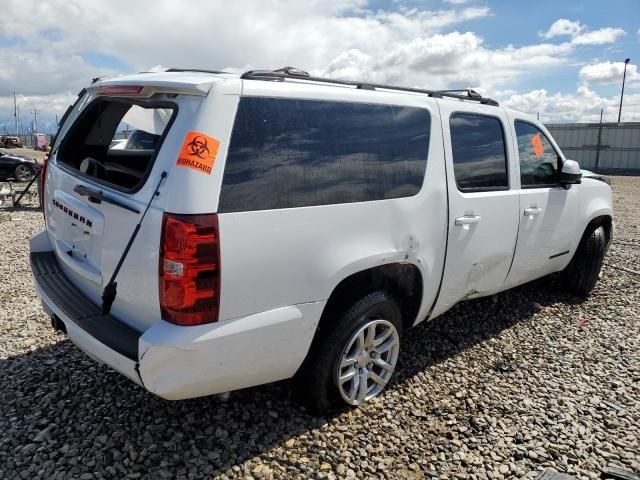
x: 354, y: 361
x: 23, y: 173
x: 581, y: 275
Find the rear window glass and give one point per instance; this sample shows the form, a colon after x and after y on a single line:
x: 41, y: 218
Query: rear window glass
x: 479, y: 153
x: 288, y: 153
x: 115, y: 141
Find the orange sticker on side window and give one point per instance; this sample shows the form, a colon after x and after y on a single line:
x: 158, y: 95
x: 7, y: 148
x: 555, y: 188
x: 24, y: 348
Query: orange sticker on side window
x: 198, y: 152
x: 536, y: 143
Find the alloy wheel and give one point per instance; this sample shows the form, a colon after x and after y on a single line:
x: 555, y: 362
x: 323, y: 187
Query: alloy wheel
x: 368, y: 361
x: 23, y: 173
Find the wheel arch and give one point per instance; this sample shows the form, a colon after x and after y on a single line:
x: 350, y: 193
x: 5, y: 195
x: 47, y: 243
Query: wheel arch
x: 603, y: 220
x: 402, y: 280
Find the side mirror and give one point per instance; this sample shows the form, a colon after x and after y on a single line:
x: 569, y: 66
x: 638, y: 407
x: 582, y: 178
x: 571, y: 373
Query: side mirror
x: 570, y: 173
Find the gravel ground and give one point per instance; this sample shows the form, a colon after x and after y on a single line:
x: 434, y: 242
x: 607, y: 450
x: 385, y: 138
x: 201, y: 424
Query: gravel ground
x: 500, y: 387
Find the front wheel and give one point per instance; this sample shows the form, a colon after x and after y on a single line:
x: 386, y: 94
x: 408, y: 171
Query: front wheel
x: 354, y: 361
x: 582, y: 273
x: 23, y: 173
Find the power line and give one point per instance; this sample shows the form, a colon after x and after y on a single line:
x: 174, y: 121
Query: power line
x: 35, y: 119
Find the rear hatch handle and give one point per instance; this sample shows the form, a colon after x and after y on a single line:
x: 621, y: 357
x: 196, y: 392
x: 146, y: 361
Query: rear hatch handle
x: 96, y: 196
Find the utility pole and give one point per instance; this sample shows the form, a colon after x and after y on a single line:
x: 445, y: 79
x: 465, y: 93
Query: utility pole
x: 35, y: 119
x: 624, y: 75
x: 599, y: 145
x: 15, y: 111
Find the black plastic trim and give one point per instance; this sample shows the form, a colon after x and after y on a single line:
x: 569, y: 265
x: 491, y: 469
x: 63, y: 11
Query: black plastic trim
x: 198, y: 70
x: 541, y: 185
x: 558, y: 255
x: 107, y: 329
x: 98, y: 197
x: 294, y: 73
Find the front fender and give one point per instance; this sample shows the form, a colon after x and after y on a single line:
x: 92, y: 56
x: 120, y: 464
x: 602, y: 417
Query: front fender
x: 596, y: 201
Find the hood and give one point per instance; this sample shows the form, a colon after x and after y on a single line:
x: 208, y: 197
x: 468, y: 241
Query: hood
x: 595, y: 176
x: 20, y: 158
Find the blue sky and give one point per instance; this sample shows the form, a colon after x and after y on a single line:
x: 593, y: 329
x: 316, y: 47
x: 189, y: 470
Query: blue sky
x: 560, y: 58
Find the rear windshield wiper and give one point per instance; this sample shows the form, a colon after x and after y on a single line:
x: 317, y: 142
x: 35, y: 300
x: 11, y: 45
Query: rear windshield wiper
x: 96, y: 196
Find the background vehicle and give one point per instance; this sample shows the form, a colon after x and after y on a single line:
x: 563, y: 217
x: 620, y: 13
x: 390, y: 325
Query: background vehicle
x: 17, y: 167
x: 10, y: 142
x: 292, y: 226
x: 41, y: 142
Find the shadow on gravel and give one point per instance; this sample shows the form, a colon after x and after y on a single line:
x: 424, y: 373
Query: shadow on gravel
x: 476, y: 321
x: 20, y: 208
x: 61, y: 411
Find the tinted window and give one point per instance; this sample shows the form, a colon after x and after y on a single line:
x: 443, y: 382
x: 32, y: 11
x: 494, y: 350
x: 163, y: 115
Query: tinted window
x: 291, y: 153
x: 538, y: 158
x: 479, y: 155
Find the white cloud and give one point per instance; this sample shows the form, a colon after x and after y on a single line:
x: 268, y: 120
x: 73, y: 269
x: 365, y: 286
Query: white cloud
x: 608, y: 72
x: 452, y: 60
x: 583, y: 106
x: 342, y: 38
x: 562, y: 27
x: 456, y: 2
x: 599, y: 37
x: 52, y: 104
x: 579, y: 34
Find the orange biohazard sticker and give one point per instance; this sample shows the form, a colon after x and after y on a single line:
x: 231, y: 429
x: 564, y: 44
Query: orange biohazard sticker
x: 536, y: 143
x: 198, y: 152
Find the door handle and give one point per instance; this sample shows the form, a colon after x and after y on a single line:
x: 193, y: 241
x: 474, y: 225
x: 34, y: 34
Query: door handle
x: 468, y: 219
x: 96, y: 196
x: 529, y: 212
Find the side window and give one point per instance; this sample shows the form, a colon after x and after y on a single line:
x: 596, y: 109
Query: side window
x: 479, y: 153
x: 538, y: 158
x: 287, y: 153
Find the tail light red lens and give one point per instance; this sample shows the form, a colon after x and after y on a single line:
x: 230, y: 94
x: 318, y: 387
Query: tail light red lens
x: 190, y: 269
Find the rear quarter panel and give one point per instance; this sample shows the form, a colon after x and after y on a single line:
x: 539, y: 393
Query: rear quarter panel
x: 275, y: 258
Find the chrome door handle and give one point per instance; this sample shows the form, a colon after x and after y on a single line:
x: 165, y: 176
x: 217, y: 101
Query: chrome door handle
x: 532, y: 211
x: 468, y: 219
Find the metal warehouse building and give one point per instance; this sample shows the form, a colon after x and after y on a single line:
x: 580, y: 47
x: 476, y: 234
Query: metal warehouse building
x: 606, y: 146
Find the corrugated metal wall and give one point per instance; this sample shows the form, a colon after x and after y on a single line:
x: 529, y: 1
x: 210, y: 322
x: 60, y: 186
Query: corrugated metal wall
x: 619, y: 144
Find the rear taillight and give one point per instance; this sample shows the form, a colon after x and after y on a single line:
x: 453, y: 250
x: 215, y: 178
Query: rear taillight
x: 43, y: 176
x: 190, y: 269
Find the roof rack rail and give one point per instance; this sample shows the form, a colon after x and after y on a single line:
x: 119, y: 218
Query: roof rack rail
x: 193, y: 70
x: 282, y: 74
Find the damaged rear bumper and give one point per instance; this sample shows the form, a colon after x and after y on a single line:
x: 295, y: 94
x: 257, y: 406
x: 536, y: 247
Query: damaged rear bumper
x: 177, y: 362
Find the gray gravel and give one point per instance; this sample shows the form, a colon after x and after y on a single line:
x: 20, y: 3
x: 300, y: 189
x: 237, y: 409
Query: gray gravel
x: 500, y: 387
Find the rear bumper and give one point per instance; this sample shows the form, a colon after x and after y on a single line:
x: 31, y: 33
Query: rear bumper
x: 177, y: 362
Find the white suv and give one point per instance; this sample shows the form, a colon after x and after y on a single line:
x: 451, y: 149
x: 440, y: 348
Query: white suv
x: 276, y: 225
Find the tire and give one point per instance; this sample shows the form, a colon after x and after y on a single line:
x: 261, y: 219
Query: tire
x: 582, y: 273
x: 350, y: 340
x: 23, y: 173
